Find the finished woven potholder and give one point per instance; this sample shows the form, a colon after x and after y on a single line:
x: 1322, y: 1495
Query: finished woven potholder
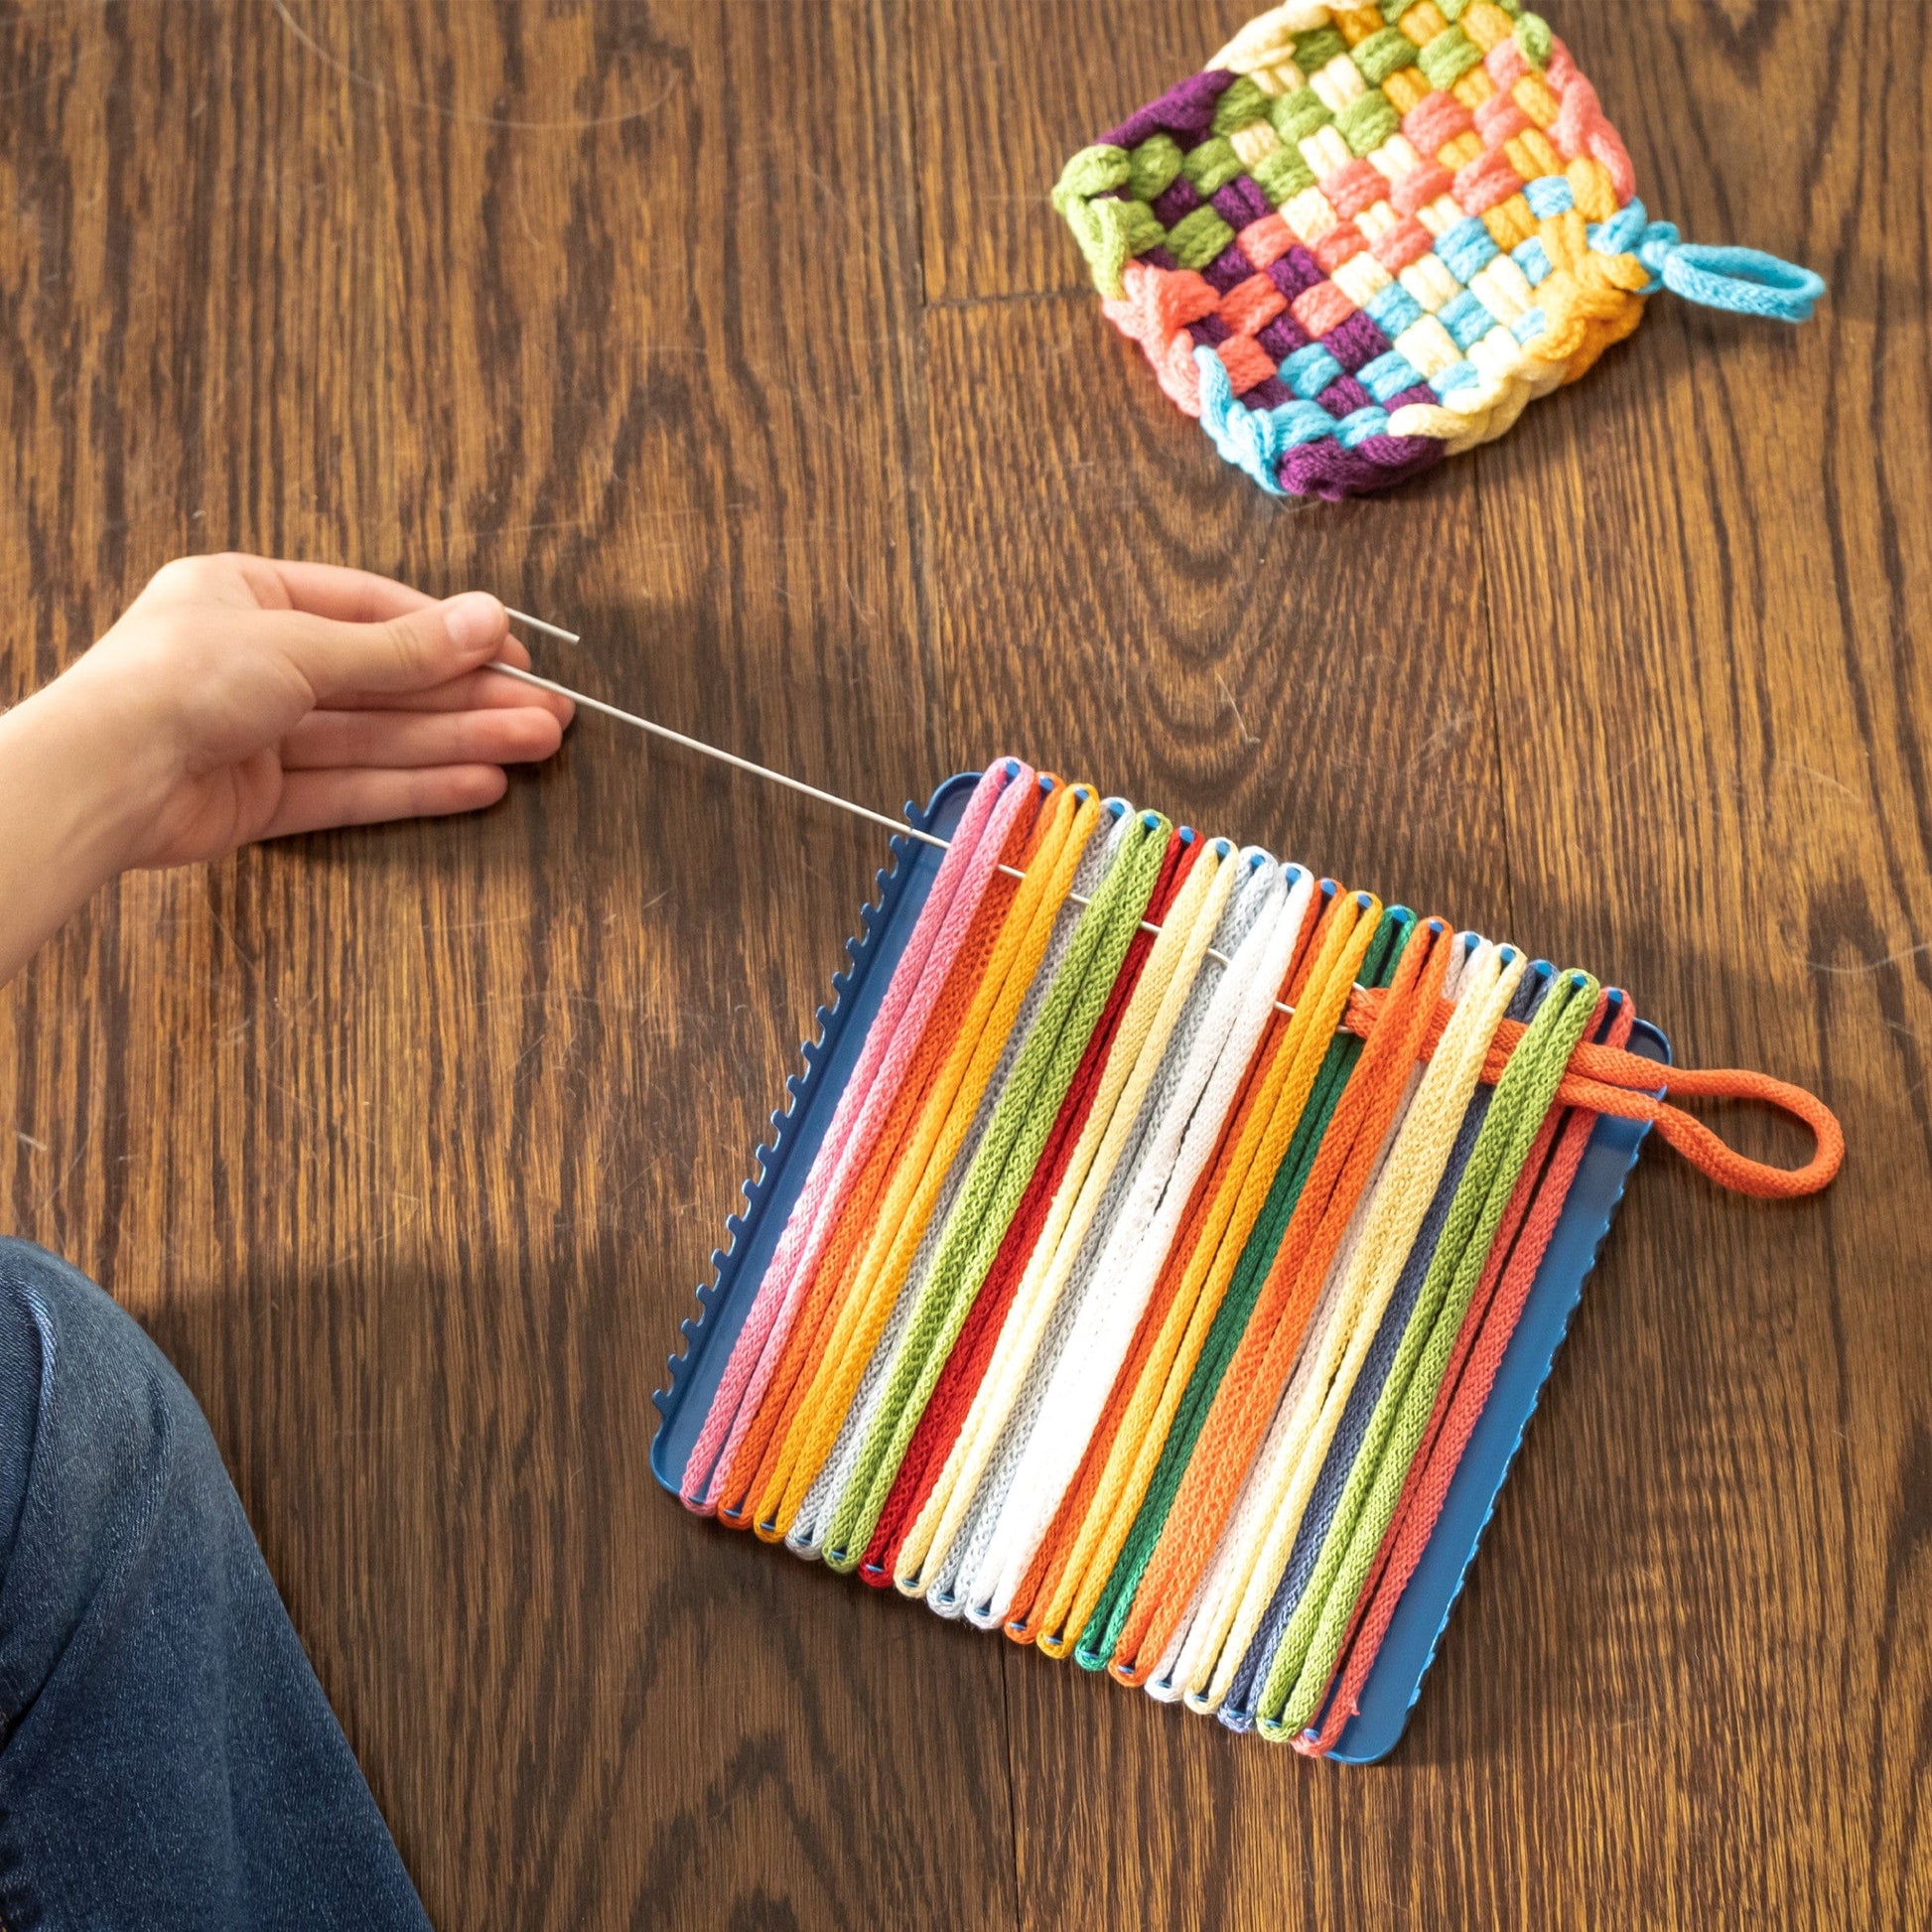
x: 1365, y: 238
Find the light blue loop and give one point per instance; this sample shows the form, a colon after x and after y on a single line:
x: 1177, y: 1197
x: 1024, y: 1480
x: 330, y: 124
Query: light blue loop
x: 1745, y: 281
x: 1256, y: 439
x: 1625, y: 233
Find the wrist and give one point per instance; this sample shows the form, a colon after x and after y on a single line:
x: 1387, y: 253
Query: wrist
x: 71, y: 756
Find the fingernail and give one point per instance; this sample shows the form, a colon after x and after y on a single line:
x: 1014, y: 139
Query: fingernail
x: 475, y: 620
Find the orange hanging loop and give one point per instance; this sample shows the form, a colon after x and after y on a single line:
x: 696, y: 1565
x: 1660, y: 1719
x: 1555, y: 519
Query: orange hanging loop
x: 1609, y: 1080
x: 1697, y: 1143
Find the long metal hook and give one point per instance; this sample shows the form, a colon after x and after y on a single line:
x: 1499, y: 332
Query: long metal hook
x: 895, y: 825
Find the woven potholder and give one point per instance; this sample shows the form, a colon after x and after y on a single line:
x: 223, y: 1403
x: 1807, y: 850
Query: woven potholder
x: 1365, y: 238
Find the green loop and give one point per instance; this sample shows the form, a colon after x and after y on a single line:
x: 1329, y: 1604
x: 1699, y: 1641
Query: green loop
x: 1297, y: 115
x: 1153, y: 166
x: 1212, y: 165
x: 1242, y: 104
x: 1448, y: 57
x: 1111, y: 232
x: 1197, y: 238
x: 1384, y: 54
x: 1093, y: 171
x: 1110, y: 1612
x: 1367, y: 122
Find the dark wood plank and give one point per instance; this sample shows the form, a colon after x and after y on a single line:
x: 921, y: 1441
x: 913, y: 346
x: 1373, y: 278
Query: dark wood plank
x: 410, y: 1147
x: 1719, y: 786
x: 1253, y: 667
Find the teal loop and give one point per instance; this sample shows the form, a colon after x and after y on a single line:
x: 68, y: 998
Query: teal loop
x: 1745, y: 281
x: 1627, y: 231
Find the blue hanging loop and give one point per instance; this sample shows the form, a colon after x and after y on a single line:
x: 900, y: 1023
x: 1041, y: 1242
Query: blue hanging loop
x: 1745, y: 281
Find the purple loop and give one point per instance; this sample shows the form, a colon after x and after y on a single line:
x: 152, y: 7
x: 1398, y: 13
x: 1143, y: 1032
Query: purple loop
x: 1282, y: 337
x: 1356, y: 341
x: 1326, y: 470
x: 1295, y: 272
x: 1343, y: 397
x: 1175, y: 201
x: 1186, y: 112
x: 1240, y: 203
x: 1229, y: 269
x: 1421, y: 394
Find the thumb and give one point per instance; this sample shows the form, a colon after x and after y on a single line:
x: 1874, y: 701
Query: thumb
x: 407, y: 652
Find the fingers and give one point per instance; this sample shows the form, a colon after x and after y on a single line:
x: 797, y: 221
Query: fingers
x: 350, y: 596
x: 317, y: 801
x: 523, y: 734
x: 277, y: 584
x: 476, y: 691
x: 409, y: 651
x: 270, y: 584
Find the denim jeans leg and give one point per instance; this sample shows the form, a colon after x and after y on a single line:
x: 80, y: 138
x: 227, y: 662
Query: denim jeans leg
x: 167, y: 1757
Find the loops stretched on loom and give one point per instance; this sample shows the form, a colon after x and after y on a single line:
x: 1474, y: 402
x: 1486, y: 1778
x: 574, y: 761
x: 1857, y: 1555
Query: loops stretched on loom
x: 1162, y: 1250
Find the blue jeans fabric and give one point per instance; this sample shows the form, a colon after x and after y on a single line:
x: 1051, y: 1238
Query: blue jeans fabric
x: 167, y: 1757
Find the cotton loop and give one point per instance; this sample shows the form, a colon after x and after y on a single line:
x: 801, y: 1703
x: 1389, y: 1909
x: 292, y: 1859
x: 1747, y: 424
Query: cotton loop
x: 1127, y: 1046
x: 1034, y: 926
x: 956, y: 892
x: 1103, y: 1324
x: 1743, y: 281
x: 805, y: 1535
x: 1609, y: 1080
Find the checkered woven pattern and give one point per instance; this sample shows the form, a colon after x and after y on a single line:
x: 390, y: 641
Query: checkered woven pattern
x: 1365, y: 236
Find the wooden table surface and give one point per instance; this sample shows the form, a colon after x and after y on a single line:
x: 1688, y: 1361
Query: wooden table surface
x: 742, y: 337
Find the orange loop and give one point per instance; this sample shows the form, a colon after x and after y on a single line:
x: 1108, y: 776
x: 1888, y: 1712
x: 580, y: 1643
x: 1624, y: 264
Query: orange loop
x: 1609, y: 1080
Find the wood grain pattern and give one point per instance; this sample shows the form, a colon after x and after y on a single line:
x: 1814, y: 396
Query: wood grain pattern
x: 743, y: 335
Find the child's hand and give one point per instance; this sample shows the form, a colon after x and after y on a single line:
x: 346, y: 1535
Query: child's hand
x: 240, y: 699
x: 245, y: 698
